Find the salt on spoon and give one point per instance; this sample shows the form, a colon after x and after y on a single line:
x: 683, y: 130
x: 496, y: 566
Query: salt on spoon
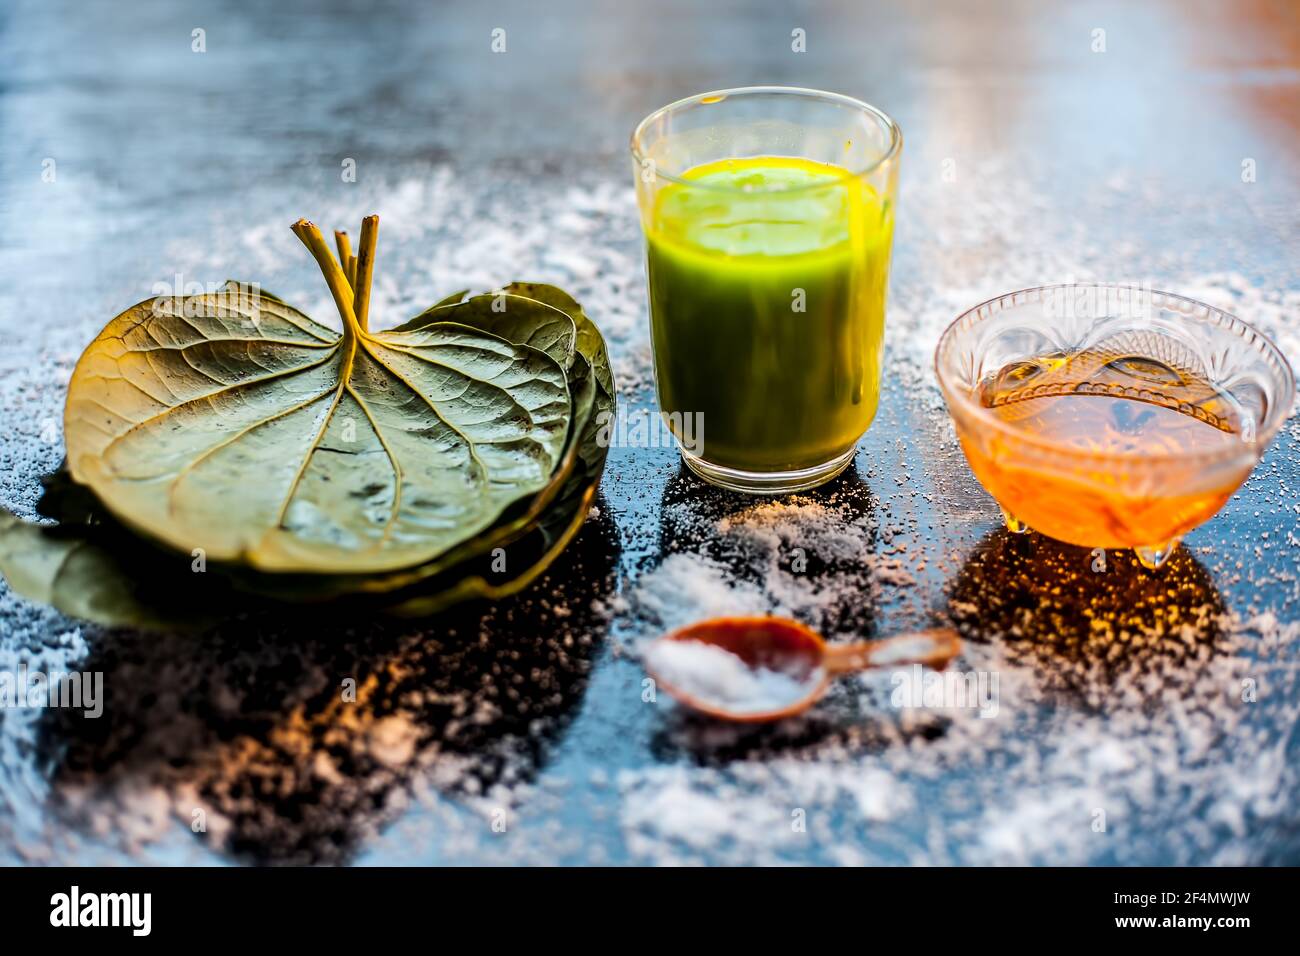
x: 760, y: 669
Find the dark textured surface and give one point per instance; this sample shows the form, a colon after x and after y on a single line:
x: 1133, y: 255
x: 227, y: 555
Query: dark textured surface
x: 1029, y: 159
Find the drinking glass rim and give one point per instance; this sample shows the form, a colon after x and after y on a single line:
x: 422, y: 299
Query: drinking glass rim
x: 1264, y: 433
x: 895, y: 134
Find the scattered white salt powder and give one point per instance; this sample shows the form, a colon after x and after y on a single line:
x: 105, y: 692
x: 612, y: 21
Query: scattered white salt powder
x: 743, y: 813
x: 1141, y: 735
x: 687, y: 587
x: 755, y: 561
x: 715, y: 676
x: 1163, y: 744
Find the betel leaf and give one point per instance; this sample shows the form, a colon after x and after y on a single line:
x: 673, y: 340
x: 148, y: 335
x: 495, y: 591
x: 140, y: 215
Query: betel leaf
x: 452, y: 299
x: 517, y: 316
x: 517, y: 522
x: 235, y: 424
x: 512, y: 317
x: 79, y: 574
x: 528, y: 556
x: 580, y: 472
x: 532, y: 555
x: 589, y: 340
x: 93, y: 563
x: 89, y: 566
x: 580, y: 469
x: 511, y: 527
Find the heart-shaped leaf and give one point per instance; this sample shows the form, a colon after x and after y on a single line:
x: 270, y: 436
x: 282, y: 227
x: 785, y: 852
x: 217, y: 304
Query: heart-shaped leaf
x: 589, y: 340
x: 513, y: 317
x: 216, y: 356
x: 529, y: 554
x: 518, y: 521
x: 232, y: 423
x: 100, y: 574
x: 580, y: 470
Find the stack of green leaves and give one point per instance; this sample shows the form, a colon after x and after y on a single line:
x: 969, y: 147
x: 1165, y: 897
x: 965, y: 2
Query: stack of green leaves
x: 225, y: 447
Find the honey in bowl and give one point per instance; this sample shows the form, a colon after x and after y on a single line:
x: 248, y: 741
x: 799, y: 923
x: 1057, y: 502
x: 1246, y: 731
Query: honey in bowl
x: 1122, y: 421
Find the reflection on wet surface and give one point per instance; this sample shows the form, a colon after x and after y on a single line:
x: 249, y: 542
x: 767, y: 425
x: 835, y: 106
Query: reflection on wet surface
x: 1029, y: 159
x: 298, y: 739
x: 1083, y: 618
x: 803, y: 552
x: 818, y: 538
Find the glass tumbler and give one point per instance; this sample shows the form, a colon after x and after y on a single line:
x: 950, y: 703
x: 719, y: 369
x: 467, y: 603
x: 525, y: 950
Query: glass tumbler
x: 768, y: 215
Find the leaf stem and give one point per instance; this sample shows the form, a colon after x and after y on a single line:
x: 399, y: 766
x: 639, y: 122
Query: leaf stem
x: 365, y: 269
x: 345, y: 255
x: 311, y: 237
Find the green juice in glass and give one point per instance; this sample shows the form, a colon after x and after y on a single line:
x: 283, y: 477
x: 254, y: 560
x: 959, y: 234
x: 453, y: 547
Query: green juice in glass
x: 767, y: 281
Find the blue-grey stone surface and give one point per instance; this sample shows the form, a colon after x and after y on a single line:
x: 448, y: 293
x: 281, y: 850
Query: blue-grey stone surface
x: 1139, y: 718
